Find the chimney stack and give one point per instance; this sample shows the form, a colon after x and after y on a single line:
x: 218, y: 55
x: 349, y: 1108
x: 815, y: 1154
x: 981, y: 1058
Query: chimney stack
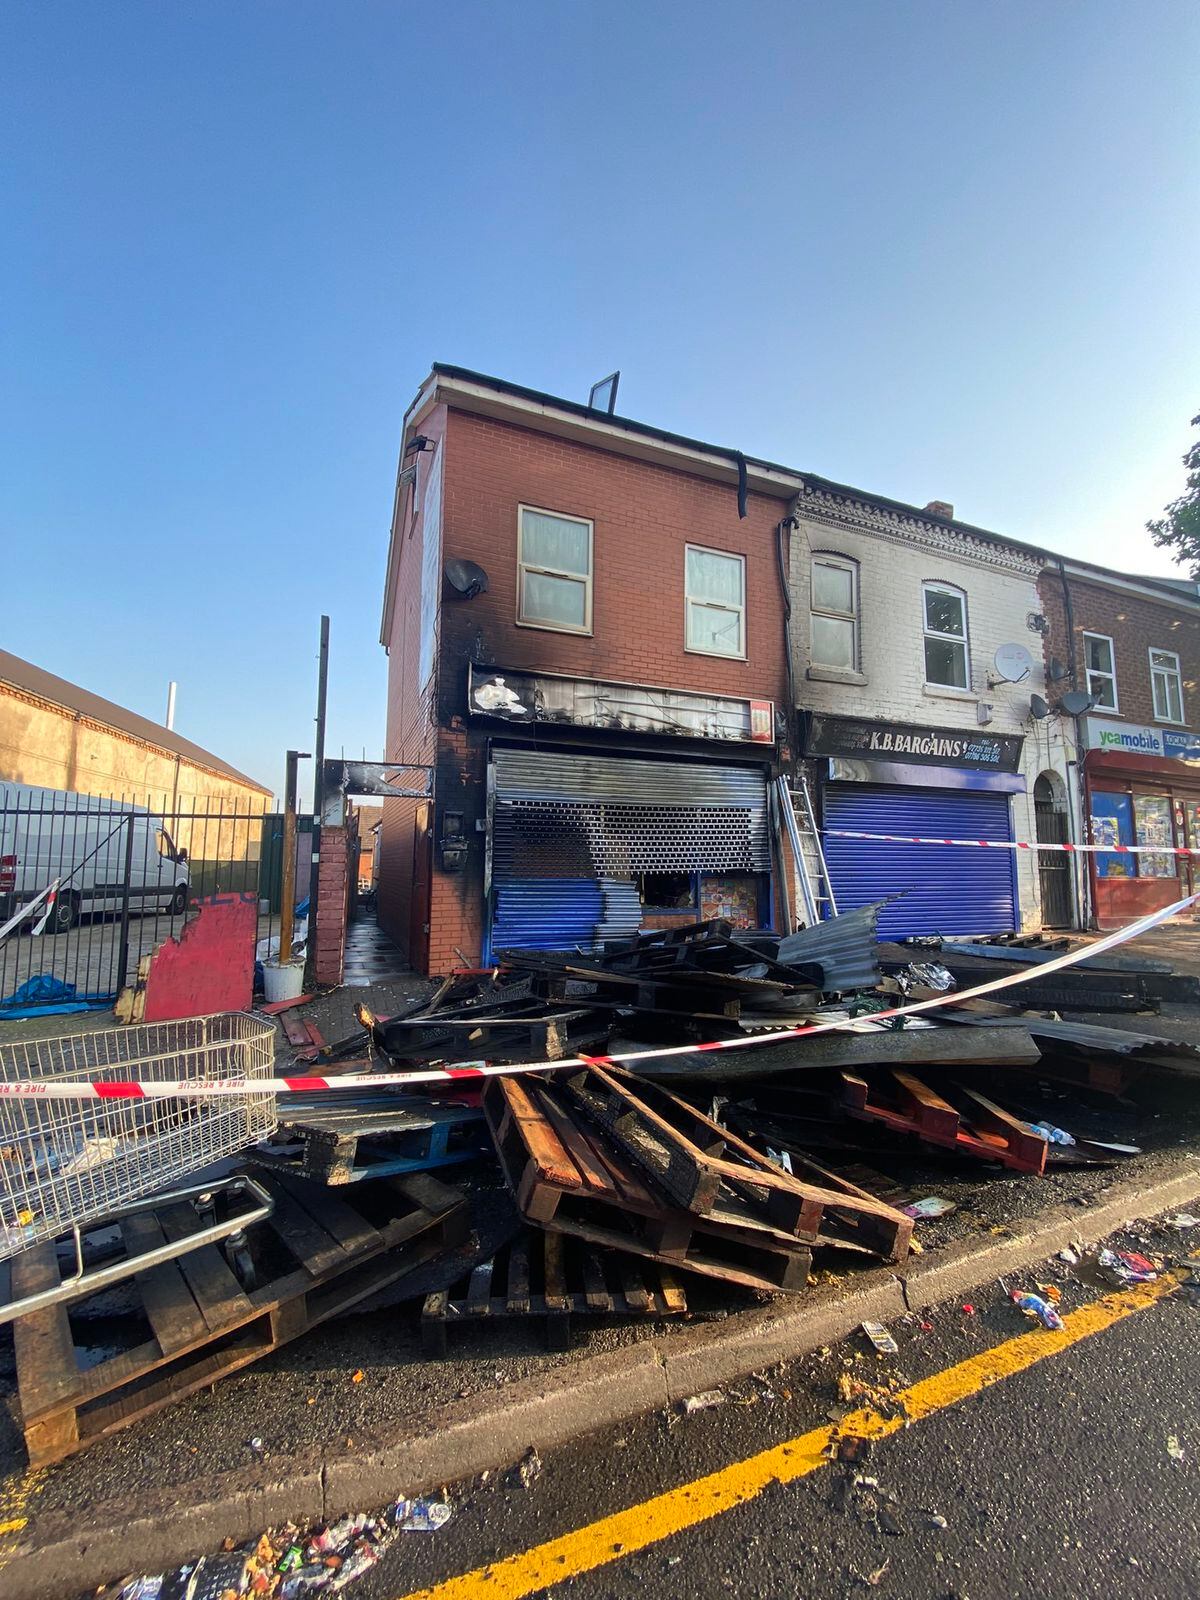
x: 941, y: 508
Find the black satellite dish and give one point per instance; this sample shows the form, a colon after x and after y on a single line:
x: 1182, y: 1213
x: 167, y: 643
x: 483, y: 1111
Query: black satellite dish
x: 466, y: 577
x: 1075, y: 702
x: 1038, y: 707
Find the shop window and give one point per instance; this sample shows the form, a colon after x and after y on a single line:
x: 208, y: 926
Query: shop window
x: 946, y: 639
x: 1100, y: 663
x: 667, y: 891
x: 833, y: 631
x: 715, y: 590
x: 554, y: 571
x: 1152, y: 826
x: 1167, y: 682
x: 731, y: 896
x: 1112, y: 825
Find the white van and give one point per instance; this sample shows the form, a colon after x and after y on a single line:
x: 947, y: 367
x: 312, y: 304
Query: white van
x: 83, y: 839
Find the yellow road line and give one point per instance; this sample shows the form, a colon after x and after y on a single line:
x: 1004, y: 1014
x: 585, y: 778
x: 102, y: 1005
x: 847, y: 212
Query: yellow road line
x: 15, y: 1497
x: 612, y: 1538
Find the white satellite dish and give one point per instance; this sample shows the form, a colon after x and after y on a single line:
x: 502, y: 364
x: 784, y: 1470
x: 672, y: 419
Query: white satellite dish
x: 1013, y: 662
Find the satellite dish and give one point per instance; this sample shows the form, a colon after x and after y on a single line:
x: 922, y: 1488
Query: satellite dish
x: 1057, y: 671
x: 1013, y: 662
x: 466, y: 577
x: 1038, y: 707
x: 1075, y: 703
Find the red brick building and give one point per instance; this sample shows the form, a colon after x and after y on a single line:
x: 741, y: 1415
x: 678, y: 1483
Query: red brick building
x: 584, y: 623
x: 1131, y: 762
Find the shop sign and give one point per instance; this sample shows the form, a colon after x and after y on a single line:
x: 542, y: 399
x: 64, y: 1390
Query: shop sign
x: 526, y: 698
x: 930, y: 747
x: 1136, y: 739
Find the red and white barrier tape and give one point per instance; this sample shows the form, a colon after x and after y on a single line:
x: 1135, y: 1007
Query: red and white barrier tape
x: 1017, y: 844
x: 233, y: 1088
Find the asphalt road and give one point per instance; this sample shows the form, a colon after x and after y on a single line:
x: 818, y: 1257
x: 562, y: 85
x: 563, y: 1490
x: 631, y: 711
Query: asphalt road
x: 1056, y: 1481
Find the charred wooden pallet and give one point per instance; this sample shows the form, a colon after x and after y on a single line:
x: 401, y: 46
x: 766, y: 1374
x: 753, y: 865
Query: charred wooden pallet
x: 566, y: 1177
x: 378, y: 1134
x: 695, y: 1161
x: 316, y: 1257
x: 980, y: 1128
x: 552, y: 1277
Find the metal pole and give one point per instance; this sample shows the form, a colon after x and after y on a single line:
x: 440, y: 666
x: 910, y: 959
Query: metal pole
x: 123, y: 948
x: 171, y: 688
x: 287, y: 906
x: 322, y: 687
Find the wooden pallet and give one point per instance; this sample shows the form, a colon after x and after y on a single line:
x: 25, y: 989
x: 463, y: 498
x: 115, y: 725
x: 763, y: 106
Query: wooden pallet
x: 380, y: 1135
x: 980, y: 1129
x: 316, y: 1257
x: 552, y: 1277
x: 565, y: 1177
x: 695, y: 1160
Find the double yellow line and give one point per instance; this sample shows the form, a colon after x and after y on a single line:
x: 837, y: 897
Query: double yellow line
x: 611, y: 1538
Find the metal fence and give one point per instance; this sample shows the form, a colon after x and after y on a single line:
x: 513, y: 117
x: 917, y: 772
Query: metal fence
x: 98, y: 883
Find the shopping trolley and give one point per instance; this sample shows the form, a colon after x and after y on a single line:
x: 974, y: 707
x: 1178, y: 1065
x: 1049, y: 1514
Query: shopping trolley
x: 68, y: 1166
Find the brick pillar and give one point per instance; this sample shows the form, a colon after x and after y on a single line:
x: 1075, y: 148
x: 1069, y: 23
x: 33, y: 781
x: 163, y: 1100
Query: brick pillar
x: 332, y: 888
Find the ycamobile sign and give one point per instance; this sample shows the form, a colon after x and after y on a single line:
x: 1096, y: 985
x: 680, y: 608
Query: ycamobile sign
x: 1135, y: 739
x: 903, y: 741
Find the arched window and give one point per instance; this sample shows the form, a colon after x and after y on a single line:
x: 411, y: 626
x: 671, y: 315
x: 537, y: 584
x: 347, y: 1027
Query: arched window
x: 947, y: 642
x: 833, y: 624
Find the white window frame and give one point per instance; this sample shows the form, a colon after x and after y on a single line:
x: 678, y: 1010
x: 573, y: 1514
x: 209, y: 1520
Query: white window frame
x: 964, y: 639
x: 689, y: 600
x: 1175, y: 672
x: 827, y: 558
x: 524, y: 566
x: 1090, y: 672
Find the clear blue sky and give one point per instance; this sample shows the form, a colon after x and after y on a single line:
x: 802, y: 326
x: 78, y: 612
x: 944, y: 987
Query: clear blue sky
x: 935, y: 250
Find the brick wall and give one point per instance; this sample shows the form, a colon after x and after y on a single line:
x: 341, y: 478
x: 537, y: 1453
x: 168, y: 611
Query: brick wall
x: 1134, y: 623
x: 643, y: 516
x: 333, y: 904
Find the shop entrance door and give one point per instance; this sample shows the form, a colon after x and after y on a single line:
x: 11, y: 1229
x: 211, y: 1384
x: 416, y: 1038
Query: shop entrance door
x: 1054, y: 866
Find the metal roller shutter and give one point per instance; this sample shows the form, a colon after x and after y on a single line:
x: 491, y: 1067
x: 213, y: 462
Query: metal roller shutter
x: 561, y: 823
x: 945, y: 889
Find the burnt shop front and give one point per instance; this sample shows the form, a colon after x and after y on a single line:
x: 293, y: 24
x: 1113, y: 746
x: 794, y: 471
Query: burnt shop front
x: 614, y: 808
x: 917, y: 781
x: 1142, y: 788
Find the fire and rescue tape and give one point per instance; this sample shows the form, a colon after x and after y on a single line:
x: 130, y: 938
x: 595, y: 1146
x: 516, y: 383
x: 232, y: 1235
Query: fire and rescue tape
x: 1017, y: 844
x: 233, y: 1088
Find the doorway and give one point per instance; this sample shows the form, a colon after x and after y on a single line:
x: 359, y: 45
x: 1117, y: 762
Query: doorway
x: 1054, y: 866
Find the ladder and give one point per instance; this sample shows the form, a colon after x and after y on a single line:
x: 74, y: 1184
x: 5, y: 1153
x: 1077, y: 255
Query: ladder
x: 812, y: 874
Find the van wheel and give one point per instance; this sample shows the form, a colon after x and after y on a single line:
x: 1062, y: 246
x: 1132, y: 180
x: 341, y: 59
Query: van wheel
x: 65, y: 913
x: 179, y: 899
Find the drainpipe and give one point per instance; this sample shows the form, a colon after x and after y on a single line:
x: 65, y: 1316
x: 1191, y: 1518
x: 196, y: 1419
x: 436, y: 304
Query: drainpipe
x: 1080, y: 868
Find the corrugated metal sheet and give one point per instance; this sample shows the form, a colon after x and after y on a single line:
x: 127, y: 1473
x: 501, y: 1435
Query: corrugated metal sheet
x: 944, y: 889
x: 843, y: 947
x: 546, y: 914
x: 612, y: 780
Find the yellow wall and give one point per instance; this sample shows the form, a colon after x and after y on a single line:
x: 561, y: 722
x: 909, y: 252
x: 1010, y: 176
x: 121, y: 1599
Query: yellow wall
x: 51, y: 748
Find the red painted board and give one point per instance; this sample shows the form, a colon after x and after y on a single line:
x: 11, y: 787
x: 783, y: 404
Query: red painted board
x: 210, y: 967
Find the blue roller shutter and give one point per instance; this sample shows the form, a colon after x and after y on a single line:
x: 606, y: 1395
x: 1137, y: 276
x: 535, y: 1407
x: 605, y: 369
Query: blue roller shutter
x: 546, y: 914
x: 945, y: 889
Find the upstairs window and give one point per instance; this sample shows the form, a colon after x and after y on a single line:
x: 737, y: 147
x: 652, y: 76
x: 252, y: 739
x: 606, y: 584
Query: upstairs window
x: 946, y: 641
x: 833, y: 632
x: 715, y: 598
x: 1100, y: 664
x: 554, y: 571
x: 1167, y: 682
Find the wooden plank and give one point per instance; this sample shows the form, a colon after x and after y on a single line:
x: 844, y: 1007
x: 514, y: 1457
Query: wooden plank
x: 274, y: 1007
x: 556, y: 1283
x: 673, y: 1296
x: 633, y: 1287
x: 47, y: 1371
x: 218, y: 1293
x: 479, y: 1291
x: 933, y: 1113
x: 539, y: 1139
x: 594, y: 1287
x: 313, y: 1246
x: 338, y: 1219
x: 518, y: 1276
x: 166, y: 1298
x: 587, y: 1159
